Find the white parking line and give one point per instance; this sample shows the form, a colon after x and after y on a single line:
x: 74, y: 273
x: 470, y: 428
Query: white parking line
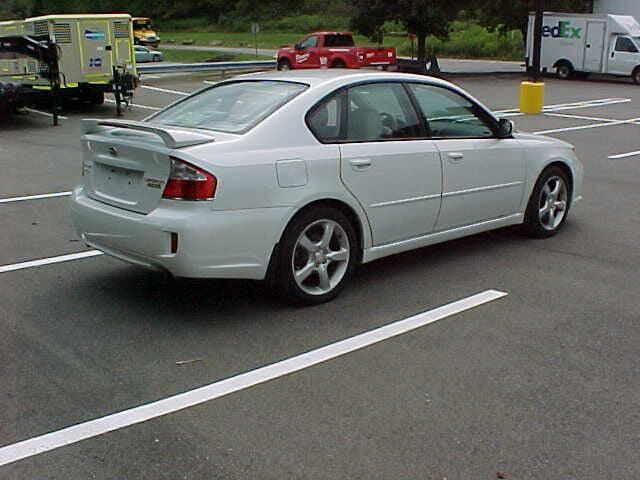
x: 631, y: 121
x: 34, y: 197
x: 49, y: 261
x: 134, y: 105
x: 142, y: 413
x: 601, y: 102
x: 624, y: 155
x: 46, y: 114
x: 164, y: 90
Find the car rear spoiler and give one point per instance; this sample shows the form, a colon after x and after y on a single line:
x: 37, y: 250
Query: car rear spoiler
x: 171, y: 136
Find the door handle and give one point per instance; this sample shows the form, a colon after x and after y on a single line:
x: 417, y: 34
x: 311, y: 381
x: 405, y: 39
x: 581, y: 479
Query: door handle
x: 360, y: 163
x: 455, y: 156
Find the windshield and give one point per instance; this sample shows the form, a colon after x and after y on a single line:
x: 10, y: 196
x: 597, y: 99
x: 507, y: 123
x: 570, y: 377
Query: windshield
x: 230, y: 107
x: 141, y: 24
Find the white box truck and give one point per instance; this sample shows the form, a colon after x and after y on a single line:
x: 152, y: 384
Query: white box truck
x: 583, y: 44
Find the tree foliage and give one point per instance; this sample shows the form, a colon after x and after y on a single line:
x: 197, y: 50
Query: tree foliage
x: 514, y: 14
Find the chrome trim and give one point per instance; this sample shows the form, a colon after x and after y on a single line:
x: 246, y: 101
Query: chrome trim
x: 405, y: 200
x: 481, y: 189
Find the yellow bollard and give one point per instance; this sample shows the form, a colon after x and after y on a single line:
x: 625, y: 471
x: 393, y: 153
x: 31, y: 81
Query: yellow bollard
x: 531, y: 97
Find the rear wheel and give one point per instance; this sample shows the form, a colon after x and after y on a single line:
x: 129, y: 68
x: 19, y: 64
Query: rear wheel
x: 636, y: 76
x: 284, y: 64
x: 548, y: 205
x: 316, y: 258
x: 564, y: 70
x: 338, y: 64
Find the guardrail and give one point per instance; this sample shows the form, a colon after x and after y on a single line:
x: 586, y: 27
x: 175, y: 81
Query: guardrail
x: 205, y: 66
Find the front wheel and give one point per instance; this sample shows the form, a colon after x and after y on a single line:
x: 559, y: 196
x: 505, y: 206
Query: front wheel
x: 636, y: 76
x: 548, y: 206
x: 316, y: 258
x: 564, y: 71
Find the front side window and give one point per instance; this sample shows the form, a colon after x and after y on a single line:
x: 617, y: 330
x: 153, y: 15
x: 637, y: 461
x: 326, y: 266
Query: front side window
x: 625, y: 44
x: 230, y: 107
x: 450, y: 115
x: 380, y: 111
x: 309, y: 42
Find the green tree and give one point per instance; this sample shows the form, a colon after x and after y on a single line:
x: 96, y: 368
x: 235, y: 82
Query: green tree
x: 420, y: 17
x: 514, y: 14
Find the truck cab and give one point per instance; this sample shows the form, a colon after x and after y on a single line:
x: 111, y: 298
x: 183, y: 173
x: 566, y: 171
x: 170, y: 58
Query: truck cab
x: 624, y: 56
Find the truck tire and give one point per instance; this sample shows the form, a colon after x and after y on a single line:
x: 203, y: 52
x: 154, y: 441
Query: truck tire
x: 96, y: 98
x: 636, y: 76
x: 564, y: 70
x: 284, y: 64
x: 338, y: 64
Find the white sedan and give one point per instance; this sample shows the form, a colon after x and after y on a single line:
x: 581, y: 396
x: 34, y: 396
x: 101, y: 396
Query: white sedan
x: 298, y: 177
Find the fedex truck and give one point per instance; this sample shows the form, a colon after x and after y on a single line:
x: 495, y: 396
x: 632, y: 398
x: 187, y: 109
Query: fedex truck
x: 583, y: 44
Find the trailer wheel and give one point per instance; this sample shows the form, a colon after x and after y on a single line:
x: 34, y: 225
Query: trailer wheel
x: 636, y: 76
x: 564, y: 70
x: 96, y: 98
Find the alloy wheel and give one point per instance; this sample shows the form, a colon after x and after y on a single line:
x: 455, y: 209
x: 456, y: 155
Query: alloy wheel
x: 320, y: 257
x: 552, y: 207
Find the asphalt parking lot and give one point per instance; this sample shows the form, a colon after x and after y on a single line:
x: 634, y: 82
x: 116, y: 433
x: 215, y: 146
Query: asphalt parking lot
x: 540, y: 383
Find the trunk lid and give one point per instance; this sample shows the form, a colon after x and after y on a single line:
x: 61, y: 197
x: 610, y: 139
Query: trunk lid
x: 126, y: 164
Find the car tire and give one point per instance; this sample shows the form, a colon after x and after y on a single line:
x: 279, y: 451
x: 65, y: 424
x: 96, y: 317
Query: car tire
x: 284, y: 64
x: 338, y: 64
x: 316, y: 257
x: 636, y: 76
x: 548, y: 205
x: 564, y: 71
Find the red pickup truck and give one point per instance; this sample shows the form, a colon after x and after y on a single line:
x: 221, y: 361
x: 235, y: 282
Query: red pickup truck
x: 333, y: 50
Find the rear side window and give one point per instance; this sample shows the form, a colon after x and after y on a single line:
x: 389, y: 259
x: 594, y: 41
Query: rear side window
x: 233, y: 107
x: 326, y: 119
x: 339, y: 41
x: 380, y: 111
x: 625, y: 44
x: 450, y: 115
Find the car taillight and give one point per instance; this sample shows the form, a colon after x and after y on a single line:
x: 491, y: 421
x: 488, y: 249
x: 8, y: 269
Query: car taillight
x: 188, y: 182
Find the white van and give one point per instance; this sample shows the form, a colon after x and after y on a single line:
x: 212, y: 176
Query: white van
x: 598, y: 43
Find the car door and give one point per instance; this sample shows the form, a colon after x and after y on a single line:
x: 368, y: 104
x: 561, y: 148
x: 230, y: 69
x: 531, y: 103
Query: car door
x: 482, y: 175
x: 388, y: 164
x: 307, y: 53
x: 624, y: 56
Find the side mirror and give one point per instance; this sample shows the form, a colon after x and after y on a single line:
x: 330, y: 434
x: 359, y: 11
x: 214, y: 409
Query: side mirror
x: 505, y: 128
x: 297, y: 46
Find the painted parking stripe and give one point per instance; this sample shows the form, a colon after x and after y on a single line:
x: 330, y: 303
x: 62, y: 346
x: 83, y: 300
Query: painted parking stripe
x: 146, y: 107
x: 48, y: 261
x: 142, y: 413
x: 590, y: 126
x: 624, y: 155
x: 601, y: 102
x: 46, y: 114
x: 164, y: 90
x: 34, y: 197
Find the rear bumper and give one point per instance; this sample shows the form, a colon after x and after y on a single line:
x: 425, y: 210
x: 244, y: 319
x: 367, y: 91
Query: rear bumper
x: 211, y: 244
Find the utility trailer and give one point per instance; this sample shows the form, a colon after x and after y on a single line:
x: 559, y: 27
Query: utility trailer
x: 93, y: 55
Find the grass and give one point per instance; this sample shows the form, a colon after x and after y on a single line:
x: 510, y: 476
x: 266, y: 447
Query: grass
x: 194, y: 56
x: 465, y: 40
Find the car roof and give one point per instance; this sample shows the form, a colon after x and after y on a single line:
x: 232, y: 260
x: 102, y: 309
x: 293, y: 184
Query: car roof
x: 318, y: 77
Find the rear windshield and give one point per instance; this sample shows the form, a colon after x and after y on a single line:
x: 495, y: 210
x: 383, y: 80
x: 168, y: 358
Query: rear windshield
x: 338, y: 41
x: 230, y: 107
